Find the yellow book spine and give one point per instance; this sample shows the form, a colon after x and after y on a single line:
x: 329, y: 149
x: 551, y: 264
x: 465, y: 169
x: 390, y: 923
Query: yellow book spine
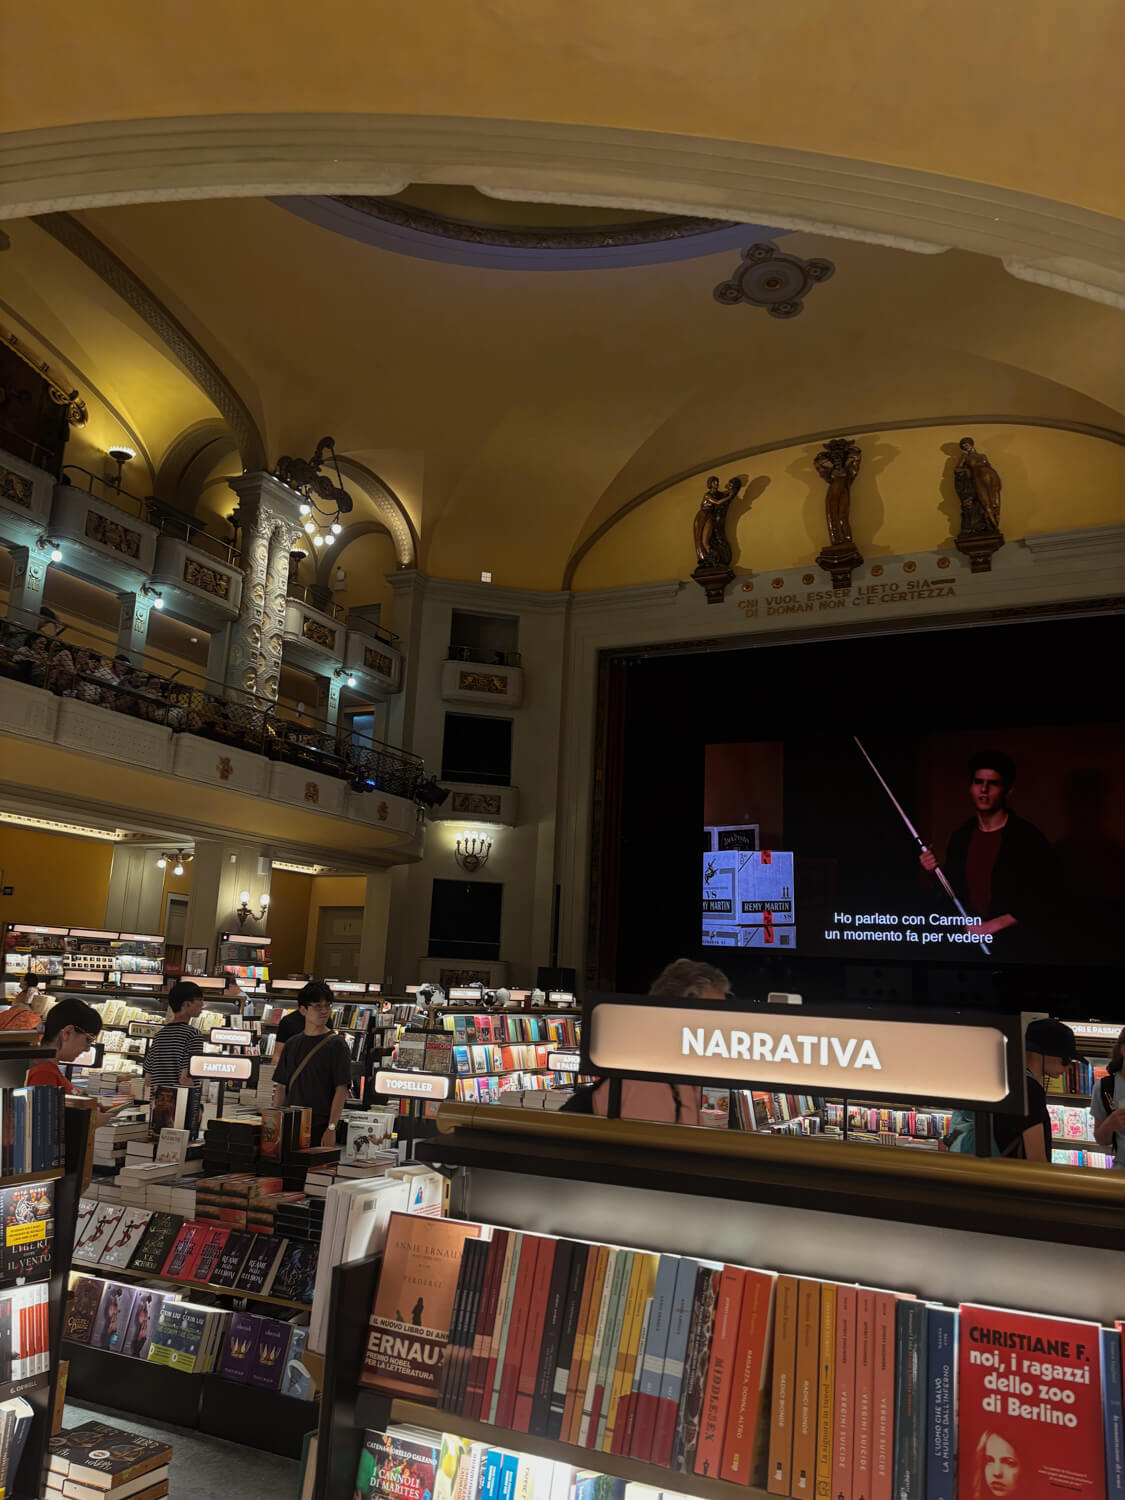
x: 640, y: 1290
x: 583, y: 1369
x: 826, y: 1396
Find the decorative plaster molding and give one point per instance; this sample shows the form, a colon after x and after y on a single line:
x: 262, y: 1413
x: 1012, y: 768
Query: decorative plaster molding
x: 393, y: 516
x: 490, y: 597
x: 168, y: 329
x: 65, y: 167
x: 1092, y: 542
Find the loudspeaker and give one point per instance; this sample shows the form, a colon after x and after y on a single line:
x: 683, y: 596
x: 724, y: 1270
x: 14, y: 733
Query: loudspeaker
x: 557, y: 979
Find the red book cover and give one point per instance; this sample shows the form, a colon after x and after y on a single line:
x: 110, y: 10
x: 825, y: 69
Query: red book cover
x: 1030, y: 1407
x: 843, y: 1425
x: 709, y: 1453
x: 746, y: 1411
x: 864, y: 1393
x: 883, y: 1399
x: 512, y: 1353
x: 184, y: 1246
x: 533, y: 1338
x: 482, y: 1337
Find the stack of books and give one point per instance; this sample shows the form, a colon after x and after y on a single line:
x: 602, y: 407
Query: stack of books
x: 266, y: 1352
x: 96, y: 1460
x: 16, y: 1416
x: 31, y: 1130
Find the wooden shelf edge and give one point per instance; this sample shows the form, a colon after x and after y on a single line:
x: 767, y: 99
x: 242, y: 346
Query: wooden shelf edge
x: 114, y: 1273
x: 45, y: 1174
x: 629, y: 1469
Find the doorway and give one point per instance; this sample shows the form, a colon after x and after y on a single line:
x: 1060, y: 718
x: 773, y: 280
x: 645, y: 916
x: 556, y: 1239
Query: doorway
x: 337, y: 942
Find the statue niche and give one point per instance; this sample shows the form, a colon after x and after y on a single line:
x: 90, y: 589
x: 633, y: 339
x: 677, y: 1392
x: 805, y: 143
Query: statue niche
x: 713, y: 554
x: 838, y: 463
x: 978, y: 490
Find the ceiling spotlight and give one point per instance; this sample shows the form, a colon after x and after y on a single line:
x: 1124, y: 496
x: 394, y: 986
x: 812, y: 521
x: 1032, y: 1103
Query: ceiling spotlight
x: 48, y: 544
x: 343, y: 672
x: 351, y: 682
x: 154, y: 594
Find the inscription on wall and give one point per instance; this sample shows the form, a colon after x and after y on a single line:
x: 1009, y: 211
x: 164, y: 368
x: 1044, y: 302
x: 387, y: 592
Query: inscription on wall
x: 861, y: 596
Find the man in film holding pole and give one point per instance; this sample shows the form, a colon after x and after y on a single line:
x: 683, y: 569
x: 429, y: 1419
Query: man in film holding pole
x: 1002, y: 869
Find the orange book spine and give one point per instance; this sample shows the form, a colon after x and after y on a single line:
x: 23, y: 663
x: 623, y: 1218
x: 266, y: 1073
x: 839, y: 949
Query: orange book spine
x: 745, y: 1440
x: 580, y: 1366
x: 883, y: 1399
x: 784, y: 1369
x: 843, y: 1434
x: 716, y: 1396
x: 826, y: 1395
x: 802, y: 1480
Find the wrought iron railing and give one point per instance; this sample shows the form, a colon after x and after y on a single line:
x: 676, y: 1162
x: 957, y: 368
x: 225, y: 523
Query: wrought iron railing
x: 62, y: 666
x: 303, y: 594
x: 147, y: 508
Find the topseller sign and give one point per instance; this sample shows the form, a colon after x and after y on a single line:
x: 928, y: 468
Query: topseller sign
x: 412, y: 1085
x: 963, y: 1059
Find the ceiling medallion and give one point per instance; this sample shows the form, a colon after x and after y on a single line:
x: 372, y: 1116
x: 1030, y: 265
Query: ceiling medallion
x: 771, y: 279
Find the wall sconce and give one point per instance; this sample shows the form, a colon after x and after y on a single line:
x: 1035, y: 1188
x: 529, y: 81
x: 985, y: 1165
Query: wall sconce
x: 47, y: 544
x: 244, y: 912
x: 120, y: 456
x: 148, y: 592
x: 349, y: 680
x: 177, y: 860
x: 472, y: 852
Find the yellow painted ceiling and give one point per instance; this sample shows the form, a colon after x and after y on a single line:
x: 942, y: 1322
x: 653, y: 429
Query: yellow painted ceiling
x: 514, y: 412
x: 996, y: 93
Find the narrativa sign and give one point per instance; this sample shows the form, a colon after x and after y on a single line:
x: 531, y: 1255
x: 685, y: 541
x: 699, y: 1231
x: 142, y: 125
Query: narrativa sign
x: 807, y: 1052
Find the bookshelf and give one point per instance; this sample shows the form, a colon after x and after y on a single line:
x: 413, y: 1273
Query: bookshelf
x: 116, y: 1273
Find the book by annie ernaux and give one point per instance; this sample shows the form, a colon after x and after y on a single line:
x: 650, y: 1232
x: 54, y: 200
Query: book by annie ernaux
x: 409, y: 1329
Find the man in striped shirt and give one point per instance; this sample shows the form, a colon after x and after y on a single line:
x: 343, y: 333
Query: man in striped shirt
x: 178, y: 1041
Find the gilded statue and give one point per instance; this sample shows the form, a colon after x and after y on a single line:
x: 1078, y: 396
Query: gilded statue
x: 837, y: 463
x: 712, y: 548
x: 978, y: 489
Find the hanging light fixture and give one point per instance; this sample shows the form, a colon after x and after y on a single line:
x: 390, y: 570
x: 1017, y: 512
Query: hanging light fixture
x: 322, y: 501
x: 177, y: 859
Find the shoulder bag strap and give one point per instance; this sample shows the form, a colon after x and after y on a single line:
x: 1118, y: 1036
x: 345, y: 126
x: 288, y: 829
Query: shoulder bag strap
x: 308, y: 1057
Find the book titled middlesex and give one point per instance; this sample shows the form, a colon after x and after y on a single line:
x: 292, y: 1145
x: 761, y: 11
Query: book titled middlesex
x: 410, y: 1321
x: 1030, y: 1407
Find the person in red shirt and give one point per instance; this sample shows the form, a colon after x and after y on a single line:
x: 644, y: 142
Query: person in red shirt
x: 70, y: 1027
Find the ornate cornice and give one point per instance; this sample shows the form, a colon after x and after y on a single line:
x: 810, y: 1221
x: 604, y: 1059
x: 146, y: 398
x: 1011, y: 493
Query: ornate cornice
x: 169, y: 330
x: 242, y: 156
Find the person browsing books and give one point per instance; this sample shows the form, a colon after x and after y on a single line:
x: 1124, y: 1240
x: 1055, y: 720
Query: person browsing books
x: 70, y: 1028
x: 291, y: 1024
x: 24, y: 1012
x: 172, y: 1048
x: 316, y: 1066
x: 1107, y: 1105
x: 1049, y: 1045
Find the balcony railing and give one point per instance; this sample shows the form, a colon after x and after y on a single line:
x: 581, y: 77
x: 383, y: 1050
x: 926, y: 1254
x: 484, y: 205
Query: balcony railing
x: 257, y: 725
x: 304, y: 595
x: 183, y: 528
x: 484, y: 655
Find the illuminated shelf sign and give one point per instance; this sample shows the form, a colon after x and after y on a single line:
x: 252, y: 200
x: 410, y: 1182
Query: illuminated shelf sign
x: 231, y: 1036
x: 412, y: 1085
x: 346, y: 987
x: 226, y: 1069
x: 287, y: 986
x: 149, y: 979
x: 144, y: 1028
x: 833, y: 1054
x: 564, y: 1062
x: 84, y: 976
x: 465, y: 992
x: 210, y: 981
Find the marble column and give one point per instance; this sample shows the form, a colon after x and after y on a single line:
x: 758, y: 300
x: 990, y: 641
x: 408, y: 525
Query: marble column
x: 132, y: 624
x: 221, y: 871
x: 29, y: 574
x: 271, y: 524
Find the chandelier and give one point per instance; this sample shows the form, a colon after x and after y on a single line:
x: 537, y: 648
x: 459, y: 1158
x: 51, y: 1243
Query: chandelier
x: 471, y: 853
x: 322, y: 502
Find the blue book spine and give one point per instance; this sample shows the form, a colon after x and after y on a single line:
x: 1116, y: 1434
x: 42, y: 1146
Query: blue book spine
x: 19, y: 1120
x: 941, y: 1359
x: 509, y: 1469
x: 490, y: 1483
x: 39, y: 1157
x: 1113, y: 1415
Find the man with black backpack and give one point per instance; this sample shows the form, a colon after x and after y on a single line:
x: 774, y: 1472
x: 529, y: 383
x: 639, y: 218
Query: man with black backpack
x: 1107, y: 1105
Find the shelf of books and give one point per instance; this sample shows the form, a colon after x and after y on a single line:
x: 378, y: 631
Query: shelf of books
x: 576, y: 1331
x: 42, y: 1147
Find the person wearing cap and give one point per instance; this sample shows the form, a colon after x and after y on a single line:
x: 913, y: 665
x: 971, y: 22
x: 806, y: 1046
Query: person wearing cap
x: 1049, y: 1046
x: 172, y: 1048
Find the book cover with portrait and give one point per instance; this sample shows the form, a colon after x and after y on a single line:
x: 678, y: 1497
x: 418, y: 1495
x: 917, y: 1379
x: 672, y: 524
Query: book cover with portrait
x: 1030, y: 1407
